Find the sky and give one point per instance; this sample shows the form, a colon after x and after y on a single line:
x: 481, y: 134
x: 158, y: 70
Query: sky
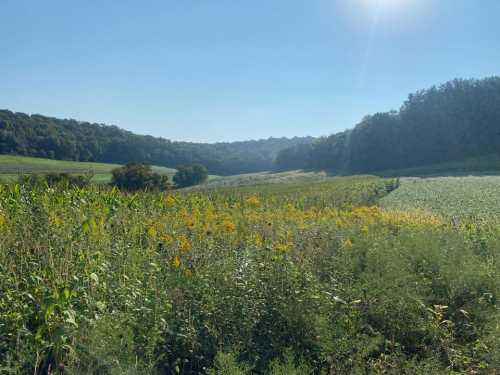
x: 225, y: 70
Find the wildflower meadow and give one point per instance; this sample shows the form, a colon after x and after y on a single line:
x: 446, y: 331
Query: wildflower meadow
x: 299, y: 278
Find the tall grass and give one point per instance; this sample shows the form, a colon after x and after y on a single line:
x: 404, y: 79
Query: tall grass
x: 269, y: 280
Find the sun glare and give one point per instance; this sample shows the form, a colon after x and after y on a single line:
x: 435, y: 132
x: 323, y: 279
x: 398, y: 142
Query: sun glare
x: 390, y: 2
x: 386, y: 3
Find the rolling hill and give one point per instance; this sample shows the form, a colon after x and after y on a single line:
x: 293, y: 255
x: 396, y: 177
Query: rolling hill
x: 445, y: 125
x: 67, y: 139
x: 13, y: 166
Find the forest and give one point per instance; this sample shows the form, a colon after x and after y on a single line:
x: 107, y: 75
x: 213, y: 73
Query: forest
x: 455, y: 121
x: 63, y: 139
x: 452, y: 122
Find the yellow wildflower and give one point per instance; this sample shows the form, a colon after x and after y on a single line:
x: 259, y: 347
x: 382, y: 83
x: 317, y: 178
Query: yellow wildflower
x: 176, y: 262
x: 347, y: 244
x: 282, y: 247
x: 258, y: 240
x: 253, y: 201
x: 152, y: 232
x: 55, y: 220
x: 167, y: 238
x: 170, y: 200
x: 229, y: 226
x: 184, y: 243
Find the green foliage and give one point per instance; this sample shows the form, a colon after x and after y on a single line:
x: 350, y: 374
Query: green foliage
x: 289, y: 366
x: 190, y: 175
x: 453, y: 122
x: 136, y: 176
x: 52, y: 138
x: 227, y: 364
x: 454, y: 196
x: 55, y: 179
x: 252, y: 179
x: 279, y: 279
x: 11, y: 167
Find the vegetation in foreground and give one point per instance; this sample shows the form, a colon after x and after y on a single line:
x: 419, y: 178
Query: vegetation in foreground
x: 282, y: 279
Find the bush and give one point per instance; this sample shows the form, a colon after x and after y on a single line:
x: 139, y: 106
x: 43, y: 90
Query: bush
x: 55, y: 179
x: 137, y: 176
x: 227, y: 364
x: 190, y: 175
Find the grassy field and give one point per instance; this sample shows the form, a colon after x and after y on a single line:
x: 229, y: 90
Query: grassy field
x: 262, y: 178
x: 455, y: 196
x: 12, y: 166
x: 477, y: 166
x: 301, y: 278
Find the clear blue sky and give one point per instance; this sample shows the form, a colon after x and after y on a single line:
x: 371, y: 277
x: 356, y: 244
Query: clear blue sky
x: 218, y: 70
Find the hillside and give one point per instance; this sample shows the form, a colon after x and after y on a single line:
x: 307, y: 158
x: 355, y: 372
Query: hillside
x: 449, y: 124
x: 481, y: 166
x: 437, y: 130
x: 262, y: 178
x: 63, y: 139
x: 12, y: 166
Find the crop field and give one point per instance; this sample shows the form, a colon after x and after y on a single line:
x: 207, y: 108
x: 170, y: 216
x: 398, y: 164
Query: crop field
x: 452, y: 196
x: 12, y: 166
x: 262, y: 178
x: 299, y: 278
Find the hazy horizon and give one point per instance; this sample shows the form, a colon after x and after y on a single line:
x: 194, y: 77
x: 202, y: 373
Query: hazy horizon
x: 220, y: 71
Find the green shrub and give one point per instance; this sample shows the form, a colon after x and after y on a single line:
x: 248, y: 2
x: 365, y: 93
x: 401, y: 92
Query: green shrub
x: 226, y: 364
x: 55, y: 179
x: 190, y: 175
x: 136, y: 176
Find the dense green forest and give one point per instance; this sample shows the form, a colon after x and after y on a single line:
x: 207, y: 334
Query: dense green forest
x: 452, y: 122
x: 455, y: 121
x: 48, y: 137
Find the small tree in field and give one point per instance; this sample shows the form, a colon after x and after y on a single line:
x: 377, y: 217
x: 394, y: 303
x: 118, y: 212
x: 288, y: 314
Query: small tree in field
x: 190, y: 175
x: 137, y: 176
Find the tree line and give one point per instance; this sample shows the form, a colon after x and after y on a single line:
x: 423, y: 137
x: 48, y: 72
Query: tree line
x: 455, y: 121
x: 451, y: 122
x: 130, y: 177
x: 67, y: 139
